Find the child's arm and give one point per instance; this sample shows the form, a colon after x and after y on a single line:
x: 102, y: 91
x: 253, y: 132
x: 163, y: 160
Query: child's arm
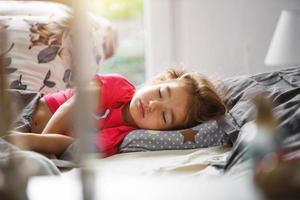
x: 62, y: 118
x: 47, y: 143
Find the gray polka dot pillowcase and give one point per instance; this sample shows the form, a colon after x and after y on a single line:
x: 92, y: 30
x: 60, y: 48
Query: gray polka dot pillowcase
x: 219, y: 132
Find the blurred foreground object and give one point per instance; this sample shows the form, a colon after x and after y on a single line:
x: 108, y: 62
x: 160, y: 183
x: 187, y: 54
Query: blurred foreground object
x: 6, y: 169
x: 264, y: 141
x: 279, y: 179
x: 276, y: 172
x: 284, y: 49
x: 83, y: 121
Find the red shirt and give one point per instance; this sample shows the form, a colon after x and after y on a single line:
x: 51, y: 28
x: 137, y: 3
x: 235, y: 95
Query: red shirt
x: 116, y: 92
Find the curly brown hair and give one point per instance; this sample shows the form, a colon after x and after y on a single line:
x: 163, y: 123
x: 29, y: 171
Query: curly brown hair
x: 205, y: 101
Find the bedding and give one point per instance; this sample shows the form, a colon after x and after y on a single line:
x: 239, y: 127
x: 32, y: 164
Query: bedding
x: 17, y: 167
x: 134, y: 175
x: 39, y: 38
x: 36, y: 164
x: 223, y: 131
x: 218, y: 132
x: 279, y: 85
x: 196, y: 173
x: 24, y: 103
x: 283, y: 87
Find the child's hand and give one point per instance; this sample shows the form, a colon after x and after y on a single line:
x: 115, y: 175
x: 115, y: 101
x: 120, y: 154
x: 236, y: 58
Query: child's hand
x: 43, y: 143
x: 21, y: 140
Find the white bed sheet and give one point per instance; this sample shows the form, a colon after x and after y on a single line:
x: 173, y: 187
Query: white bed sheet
x: 184, y: 174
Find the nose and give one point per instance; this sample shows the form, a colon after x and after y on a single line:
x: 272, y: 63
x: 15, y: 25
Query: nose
x: 154, y: 105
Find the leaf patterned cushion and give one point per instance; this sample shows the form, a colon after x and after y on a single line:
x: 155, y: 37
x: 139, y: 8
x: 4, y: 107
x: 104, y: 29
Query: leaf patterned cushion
x: 37, y: 54
x: 219, y: 132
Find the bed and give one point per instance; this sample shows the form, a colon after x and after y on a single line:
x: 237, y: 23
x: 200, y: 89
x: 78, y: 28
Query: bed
x: 213, y: 172
x: 176, y: 168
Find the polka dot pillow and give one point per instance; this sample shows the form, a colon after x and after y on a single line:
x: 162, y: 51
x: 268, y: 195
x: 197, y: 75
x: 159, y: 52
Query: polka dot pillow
x: 220, y: 132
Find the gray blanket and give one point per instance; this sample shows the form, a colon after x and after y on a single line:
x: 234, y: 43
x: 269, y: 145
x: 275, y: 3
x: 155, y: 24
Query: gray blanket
x: 25, y: 103
x: 17, y: 166
x: 36, y: 163
x: 283, y: 87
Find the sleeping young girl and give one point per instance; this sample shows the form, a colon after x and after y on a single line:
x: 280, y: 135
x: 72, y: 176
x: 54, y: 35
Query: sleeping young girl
x: 175, y: 99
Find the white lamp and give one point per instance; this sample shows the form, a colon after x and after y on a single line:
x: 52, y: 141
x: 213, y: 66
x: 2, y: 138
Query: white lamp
x: 284, y: 50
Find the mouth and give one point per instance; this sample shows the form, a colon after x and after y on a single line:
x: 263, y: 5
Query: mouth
x: 141, y: 108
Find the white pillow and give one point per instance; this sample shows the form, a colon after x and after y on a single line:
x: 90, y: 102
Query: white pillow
x: 39, y: 49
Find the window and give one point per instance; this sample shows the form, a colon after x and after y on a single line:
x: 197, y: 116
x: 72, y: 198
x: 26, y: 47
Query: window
x: 127, y: 16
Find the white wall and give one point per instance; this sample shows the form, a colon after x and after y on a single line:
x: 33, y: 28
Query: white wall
x: 219, y: 37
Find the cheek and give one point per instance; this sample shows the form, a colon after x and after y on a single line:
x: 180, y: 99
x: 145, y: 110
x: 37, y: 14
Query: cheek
x: 134, y: 110
x: 149, y: 122
x: 153, y: 122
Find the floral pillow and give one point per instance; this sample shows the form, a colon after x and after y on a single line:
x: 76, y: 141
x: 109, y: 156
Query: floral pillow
x: 38, y: 52
x: 219, y: 132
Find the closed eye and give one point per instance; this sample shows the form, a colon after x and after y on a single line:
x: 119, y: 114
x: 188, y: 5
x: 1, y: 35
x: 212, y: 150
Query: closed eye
x: 159, y: 93
x: 164, y: 117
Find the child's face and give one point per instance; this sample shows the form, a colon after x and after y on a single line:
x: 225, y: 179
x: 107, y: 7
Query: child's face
x: 161, y: 106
